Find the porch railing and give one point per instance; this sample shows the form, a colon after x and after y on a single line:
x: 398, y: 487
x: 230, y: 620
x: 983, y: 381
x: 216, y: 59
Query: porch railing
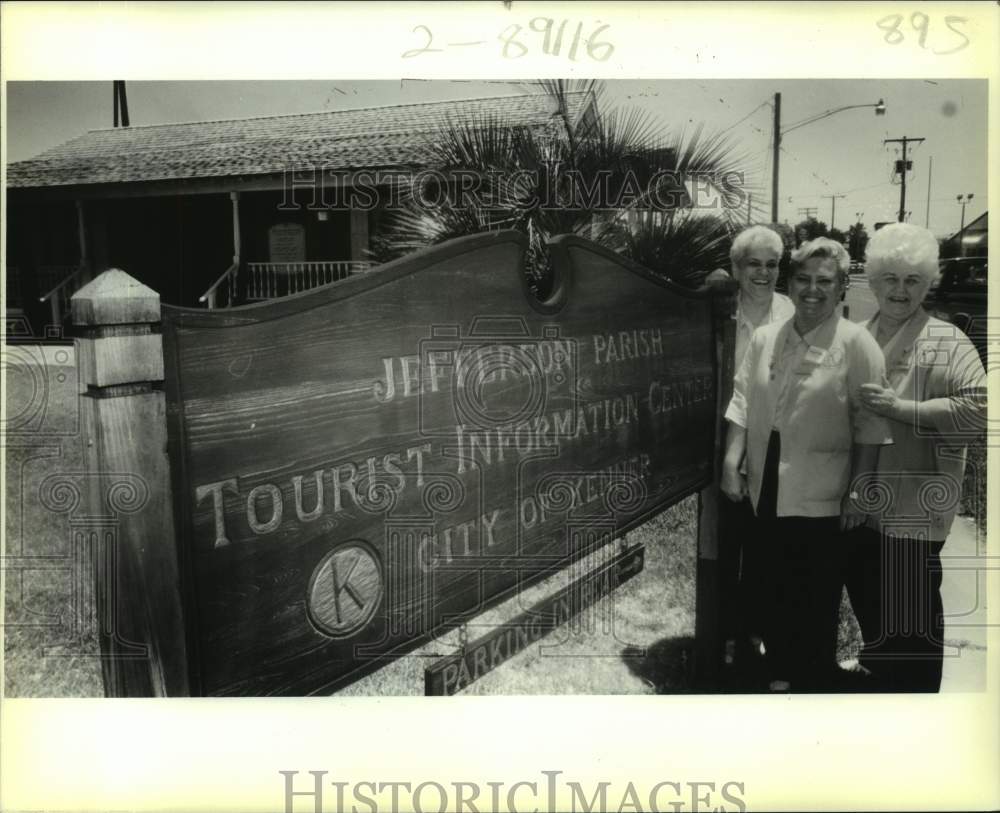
x: 270, y: 280
x: 254, y: 282
x: 69, y: 278
x: 223, y: 291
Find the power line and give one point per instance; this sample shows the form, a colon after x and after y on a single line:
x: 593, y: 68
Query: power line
x: 864, y: 188
x: 748, y: 115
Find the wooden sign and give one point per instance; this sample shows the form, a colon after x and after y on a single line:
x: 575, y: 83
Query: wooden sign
x: 286, y: 243
x: 455, y: 672
x: 364, y: 465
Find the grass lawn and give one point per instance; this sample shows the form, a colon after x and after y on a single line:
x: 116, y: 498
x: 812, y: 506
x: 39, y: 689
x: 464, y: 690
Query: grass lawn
x: 50, y: 649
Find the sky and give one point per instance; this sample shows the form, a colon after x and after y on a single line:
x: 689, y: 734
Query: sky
x: 843, y: 154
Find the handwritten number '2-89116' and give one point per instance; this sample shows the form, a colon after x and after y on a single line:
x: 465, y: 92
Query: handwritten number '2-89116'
x: 557, y: 38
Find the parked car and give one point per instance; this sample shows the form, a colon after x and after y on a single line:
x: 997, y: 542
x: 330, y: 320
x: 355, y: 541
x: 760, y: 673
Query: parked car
x: 959, y: 296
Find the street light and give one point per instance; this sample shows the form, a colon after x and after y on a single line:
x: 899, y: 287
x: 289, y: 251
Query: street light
x: 879, y: 111
x: 963, y: 200
x: 778, y: 133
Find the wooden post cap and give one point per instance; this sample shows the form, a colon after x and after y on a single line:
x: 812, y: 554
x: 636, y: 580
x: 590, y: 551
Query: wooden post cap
x: 115, y: 298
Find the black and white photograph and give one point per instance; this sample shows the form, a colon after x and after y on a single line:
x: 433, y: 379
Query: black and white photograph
x: 572, y: 385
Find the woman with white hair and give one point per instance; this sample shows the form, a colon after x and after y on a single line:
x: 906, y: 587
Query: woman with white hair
x: 935, y: 400
x: 796, y: 416
x: 754, y: 259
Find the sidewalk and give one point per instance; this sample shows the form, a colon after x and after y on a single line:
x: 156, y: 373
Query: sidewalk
x: 963, y: 590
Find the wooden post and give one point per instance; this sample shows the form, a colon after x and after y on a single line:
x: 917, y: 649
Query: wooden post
x: 708, y: 628
x: 235, y: 198
x: 124, y: 422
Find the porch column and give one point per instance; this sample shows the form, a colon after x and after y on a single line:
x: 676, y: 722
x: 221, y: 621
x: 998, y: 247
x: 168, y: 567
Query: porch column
x: 359, y: 234
x: 235, y: 198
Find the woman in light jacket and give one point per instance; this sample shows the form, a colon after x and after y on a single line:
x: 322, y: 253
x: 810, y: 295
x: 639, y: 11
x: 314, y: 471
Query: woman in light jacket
x: 797, y: 417
x: 935, y: 401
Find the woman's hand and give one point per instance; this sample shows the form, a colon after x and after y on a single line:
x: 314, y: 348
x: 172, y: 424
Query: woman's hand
x: 882, y: 400
x: 850, y: 515
x: 733, y: 484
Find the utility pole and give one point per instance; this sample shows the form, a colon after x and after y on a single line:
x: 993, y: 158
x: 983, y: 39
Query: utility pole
x: 121, y: 102
x: 749, y: 205
x: 901, y: 167
x: 777, y: 150
x: 833, y: 207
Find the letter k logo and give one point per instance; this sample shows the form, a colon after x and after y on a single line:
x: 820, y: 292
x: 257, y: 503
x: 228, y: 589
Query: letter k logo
x: 345, y: 590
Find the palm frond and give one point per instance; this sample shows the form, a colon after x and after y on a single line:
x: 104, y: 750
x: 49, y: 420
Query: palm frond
x: 683, y: 249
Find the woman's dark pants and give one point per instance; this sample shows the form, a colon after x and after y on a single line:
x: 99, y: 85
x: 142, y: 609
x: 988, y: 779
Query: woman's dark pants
x: 895, y: 590
x: 803, y: 559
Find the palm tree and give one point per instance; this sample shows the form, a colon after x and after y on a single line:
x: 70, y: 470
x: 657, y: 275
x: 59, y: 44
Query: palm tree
x: 616, y: 178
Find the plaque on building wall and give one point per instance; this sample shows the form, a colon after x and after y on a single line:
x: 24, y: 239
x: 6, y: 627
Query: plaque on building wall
x: 286, y: 243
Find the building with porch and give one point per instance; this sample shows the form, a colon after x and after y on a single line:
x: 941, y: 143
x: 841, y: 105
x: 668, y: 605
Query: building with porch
x: 216, y: 213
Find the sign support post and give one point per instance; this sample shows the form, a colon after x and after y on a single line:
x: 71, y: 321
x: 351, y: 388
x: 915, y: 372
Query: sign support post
x: 123, y: 417
x: 709, y: 643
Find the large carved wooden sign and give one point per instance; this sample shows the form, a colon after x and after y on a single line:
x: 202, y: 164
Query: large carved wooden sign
x: 363, y: 465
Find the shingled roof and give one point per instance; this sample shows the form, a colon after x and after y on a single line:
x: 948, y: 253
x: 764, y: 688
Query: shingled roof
x: 391, y: 136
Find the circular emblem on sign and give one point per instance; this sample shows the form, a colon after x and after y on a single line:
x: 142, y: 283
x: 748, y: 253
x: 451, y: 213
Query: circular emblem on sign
x: 345, y: 590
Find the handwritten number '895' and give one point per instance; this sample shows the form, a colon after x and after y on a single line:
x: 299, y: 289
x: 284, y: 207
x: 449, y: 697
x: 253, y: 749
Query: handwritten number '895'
x: 920, y: 23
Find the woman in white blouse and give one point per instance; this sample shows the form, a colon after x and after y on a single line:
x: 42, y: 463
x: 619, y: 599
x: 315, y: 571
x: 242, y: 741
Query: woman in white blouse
x: 935, y: 400
x: 754, y: 259
x: 797, y: 418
